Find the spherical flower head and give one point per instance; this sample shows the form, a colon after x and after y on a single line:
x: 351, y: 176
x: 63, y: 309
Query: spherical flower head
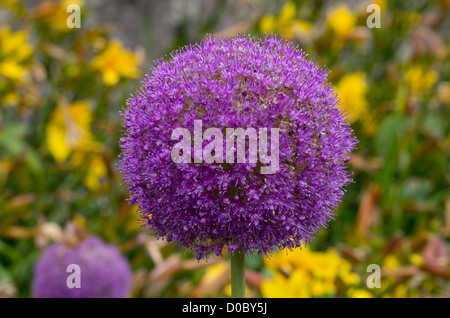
x: 235, y: 83
x: 104, y: 272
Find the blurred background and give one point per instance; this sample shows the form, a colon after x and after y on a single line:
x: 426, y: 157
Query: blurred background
x: 61, y: 90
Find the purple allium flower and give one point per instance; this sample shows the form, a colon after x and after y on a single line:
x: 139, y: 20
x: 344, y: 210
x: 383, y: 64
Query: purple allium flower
x: 104, y: 272
x: 230, y: 83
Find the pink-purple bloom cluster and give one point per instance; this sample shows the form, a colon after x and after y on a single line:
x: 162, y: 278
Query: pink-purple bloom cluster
x: 231, y: 83
x: 104, y: 272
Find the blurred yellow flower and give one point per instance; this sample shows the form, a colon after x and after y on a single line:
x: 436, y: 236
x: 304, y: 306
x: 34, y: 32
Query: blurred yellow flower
x: 351, y: 90
x: 68, y: 132
x: 14, y: 44
x: 401, y: 291
x: 416, y: 259
x: 97, y: 170
x: 79, y: 220
x: 12, y: 70
x: 346, y: 274
x: 303, y: 273
x: 213, y: 271
x: 285, y: 22
x: 14, y: 51
x: 115, y: 62
x: 55, y: 13
x: 10, y: 99
x: 341, y: 20
x: 420, y: 80
x: 391, y: 262
x: 296, y: 286
x: 359, y: 293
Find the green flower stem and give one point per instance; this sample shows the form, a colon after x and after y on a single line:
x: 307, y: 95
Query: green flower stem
x: 238, y: 275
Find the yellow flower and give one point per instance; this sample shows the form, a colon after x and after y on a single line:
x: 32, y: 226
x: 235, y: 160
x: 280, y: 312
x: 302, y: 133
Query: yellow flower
x: 14, y: 51
x: 341, y: 20
x: 10, y: 99
x: 419, y: 80
x: 391, y: 262
x: 301, y: 28
x: 287, y: 13
x: 321, y: 288
x: 401, y: 291
x: 97, y: 170
x: 14, y: 45
x: 267, y: 24
x: 416, y: 259
x: 275, y: 287
x: 115, y: 62
x: 325, y: 265
x: 346, y: 274
x: 303, y: 273
x: 12, y: 70
x: 285, y: 23
x: 69, y: 135
x: 55, y: 13
x: 214, y: 271
x: 296, y: 286
x: 79, y: 220
x: 352, y: 89
x: 69, y: 130
x: 359, y: 293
